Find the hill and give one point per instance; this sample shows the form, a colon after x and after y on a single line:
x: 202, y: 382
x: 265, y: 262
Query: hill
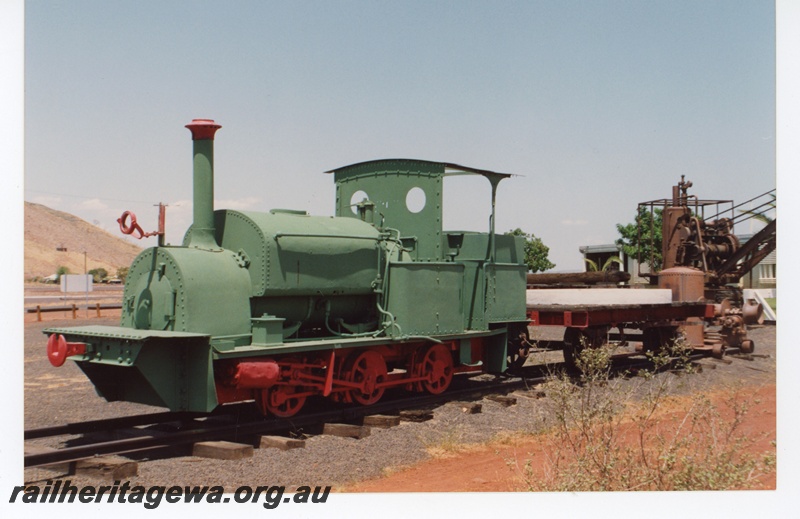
x: 46, y: 230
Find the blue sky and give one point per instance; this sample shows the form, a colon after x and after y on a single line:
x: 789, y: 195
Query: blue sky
x: 596, y: 105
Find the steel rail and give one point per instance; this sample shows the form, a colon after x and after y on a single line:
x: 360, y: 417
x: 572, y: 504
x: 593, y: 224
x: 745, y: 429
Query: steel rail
x: 204, y: 432
x: 261, y: 426
x: 109, y: 424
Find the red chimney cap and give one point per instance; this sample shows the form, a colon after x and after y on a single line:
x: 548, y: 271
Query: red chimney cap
x: 203, y: 129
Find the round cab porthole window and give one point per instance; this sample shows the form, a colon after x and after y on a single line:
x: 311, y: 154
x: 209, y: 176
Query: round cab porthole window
x: 358, y: 197
x: 415, y: 200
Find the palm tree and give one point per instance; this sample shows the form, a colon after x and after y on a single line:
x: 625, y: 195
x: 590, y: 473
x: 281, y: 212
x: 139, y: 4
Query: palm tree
x: 762, y: 216
x: 592, y: 265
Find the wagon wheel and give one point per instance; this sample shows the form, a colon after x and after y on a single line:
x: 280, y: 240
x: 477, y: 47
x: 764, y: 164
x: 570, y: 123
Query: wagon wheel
x: 369, y: 369
x: 576, y: 339
x: 281, y: 401
x: 437, y: 368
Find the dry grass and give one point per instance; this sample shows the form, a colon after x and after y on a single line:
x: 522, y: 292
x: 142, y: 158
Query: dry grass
x: 609, y: 437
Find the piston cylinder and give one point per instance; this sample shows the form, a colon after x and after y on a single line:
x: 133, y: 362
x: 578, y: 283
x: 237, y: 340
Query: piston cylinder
x: 261, y: 374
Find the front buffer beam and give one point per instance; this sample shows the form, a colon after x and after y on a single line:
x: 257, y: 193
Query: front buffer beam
x: 159, y: 368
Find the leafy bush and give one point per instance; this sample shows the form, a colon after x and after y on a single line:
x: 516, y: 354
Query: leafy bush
x: 98, y: 275
x: 536, y: 252
x: 122, y: 273
x: 60, y: 271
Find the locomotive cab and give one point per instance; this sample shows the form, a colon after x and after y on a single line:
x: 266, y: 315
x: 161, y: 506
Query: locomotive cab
x: 476, y: 281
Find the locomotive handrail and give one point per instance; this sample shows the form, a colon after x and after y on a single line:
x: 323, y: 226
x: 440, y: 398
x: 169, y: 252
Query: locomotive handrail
x: 344, y: 236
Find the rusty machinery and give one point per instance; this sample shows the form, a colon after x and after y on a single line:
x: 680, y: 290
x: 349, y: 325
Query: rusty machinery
x: 703, y: 254
x: 689, y: 239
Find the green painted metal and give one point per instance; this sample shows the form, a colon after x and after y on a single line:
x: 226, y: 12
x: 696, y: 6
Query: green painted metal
x: 293, y: 254
x: 311, y: 271
x: 187, y: 289
x: 426, y: 298
x: 250, y: 284
x: 496, y: 352
x: 465, y: 351
x: 474, y: 301
x: 203, y: 205
x: 267, y: 330
x: 477, y: 247
x: 505, y: 302
x: 389, y: 184
x: 336, y: 343
x: 122, y: 333
x: 160, y: 368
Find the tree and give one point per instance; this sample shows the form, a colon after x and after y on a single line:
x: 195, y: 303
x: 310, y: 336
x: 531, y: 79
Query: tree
x: 642, y: 238
x: 594, y: 267
x: 122, y: 273
x: 98, y: 275
x: 60, y: 271
x: 535, y: 252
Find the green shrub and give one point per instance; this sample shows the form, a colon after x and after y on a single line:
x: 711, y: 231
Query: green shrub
x: 98, y: 275
x: 60, y: 271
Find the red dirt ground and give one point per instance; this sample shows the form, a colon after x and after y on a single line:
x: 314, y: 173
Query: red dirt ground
x: 485, y: 468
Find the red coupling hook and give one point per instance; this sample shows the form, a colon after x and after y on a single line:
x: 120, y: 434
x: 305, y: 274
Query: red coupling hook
x: 58, y: 349
x: 133, y: 226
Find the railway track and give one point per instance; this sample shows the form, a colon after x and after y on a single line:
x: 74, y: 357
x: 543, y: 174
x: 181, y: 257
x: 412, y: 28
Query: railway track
x: 238, y: 423
x: 139, y: 435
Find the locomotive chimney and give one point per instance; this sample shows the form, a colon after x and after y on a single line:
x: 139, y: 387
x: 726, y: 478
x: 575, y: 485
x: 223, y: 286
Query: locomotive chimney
x: 203, y: 143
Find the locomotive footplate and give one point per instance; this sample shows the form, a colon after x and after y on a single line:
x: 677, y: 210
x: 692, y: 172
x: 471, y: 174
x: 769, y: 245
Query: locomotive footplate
x: 337, y: 343
x: 160, y: 368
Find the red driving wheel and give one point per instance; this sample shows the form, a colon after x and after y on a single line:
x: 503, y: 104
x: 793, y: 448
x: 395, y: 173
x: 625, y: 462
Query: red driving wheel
x: 369, y: 369
x: 281, y: 401
x: 437, y: 368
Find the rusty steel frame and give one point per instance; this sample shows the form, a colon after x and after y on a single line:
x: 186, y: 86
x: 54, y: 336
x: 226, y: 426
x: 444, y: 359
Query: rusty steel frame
x: 756, y: 249
x: 585, y: 317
